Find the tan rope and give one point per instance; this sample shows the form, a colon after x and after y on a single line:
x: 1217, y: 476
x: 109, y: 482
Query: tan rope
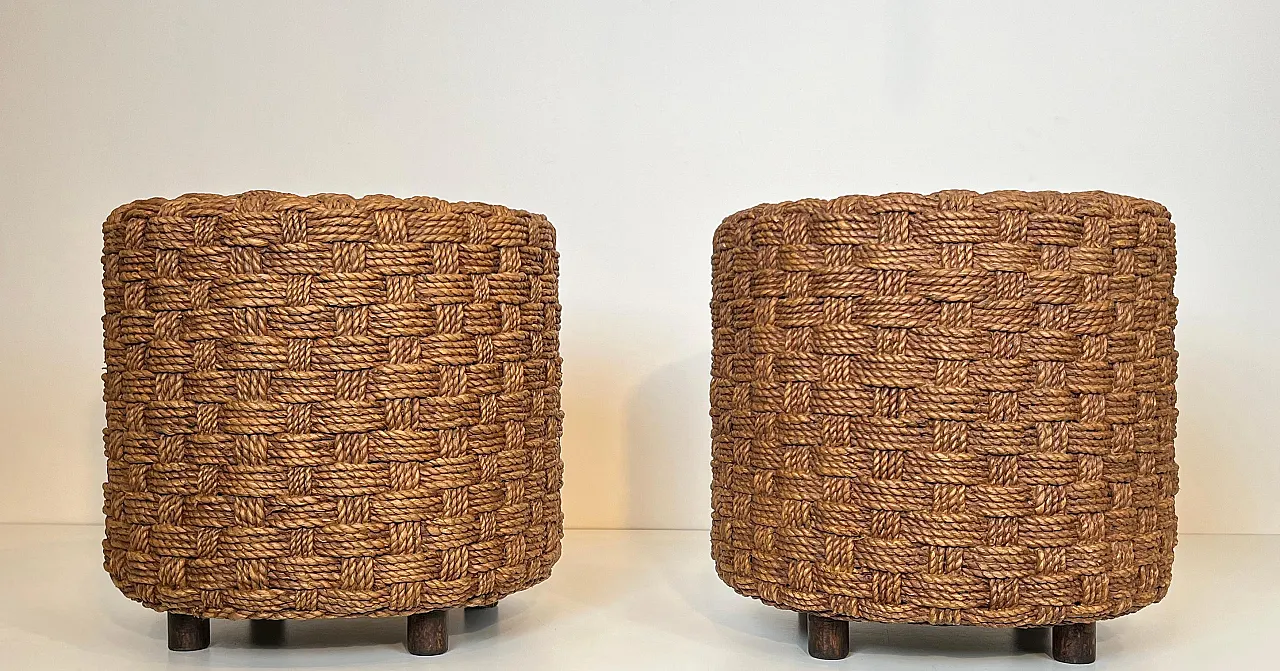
x: 326, y: 406
x: 954, y: 408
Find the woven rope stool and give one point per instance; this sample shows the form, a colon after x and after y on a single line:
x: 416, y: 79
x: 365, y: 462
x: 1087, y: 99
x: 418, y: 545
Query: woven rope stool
x: 327, y: 407
x: 954, y: 408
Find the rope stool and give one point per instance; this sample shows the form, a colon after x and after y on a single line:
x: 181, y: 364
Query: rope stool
x: 949, y: 409
x: 325, y: 406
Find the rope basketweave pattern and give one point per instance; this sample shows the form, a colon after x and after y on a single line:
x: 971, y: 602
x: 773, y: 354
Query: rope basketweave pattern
x: 954, y: 408
x: 328, y: 406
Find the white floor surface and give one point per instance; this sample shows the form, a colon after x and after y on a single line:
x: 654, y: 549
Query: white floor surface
x: 619, y: 600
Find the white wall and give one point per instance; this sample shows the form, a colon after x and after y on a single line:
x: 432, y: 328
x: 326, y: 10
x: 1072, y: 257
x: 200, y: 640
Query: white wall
x: 636, y: 127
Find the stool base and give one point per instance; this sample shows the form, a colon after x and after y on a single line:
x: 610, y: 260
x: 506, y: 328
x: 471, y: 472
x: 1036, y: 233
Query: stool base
x: 1072, y: 643
x: 426, y: 633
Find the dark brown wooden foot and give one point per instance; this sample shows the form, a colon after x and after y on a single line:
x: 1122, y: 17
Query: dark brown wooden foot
x: 828, y: 638
x: 268, y: 633
x: 1075, y: 643
x: 1030, y: 639
x: 188, y: 633
x: 428, y: 633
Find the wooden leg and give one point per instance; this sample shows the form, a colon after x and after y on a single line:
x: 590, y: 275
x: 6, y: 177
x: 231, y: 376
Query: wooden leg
x: 428, y: 633
x: 828, y: 638
x: 188, y: 633
x: 1029, y: 639
x: 266, y: 632
x: 1075, y: 643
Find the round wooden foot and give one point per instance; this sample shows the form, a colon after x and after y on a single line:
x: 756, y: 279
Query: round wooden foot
x: 1075, y: 643
x: 828, y: 638
x: 1030, y: 639
x: 428, y: 633
x: 266, y: 632
x: 188, y: 633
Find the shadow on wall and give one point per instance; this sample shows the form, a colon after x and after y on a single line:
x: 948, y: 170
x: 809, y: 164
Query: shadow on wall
x: 668, y: 447
x: 1227, y: 386
x: 594, y: 389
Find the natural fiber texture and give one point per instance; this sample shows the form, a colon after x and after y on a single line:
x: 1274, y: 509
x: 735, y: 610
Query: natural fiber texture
x: 950, y: 409
x: 329, y: 406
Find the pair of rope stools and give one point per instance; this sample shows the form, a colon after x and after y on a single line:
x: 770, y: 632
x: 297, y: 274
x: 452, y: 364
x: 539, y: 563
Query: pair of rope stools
x: 952, y: 409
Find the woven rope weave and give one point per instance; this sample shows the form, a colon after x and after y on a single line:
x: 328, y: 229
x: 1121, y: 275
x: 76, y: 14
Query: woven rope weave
x: 954, y: 408
x: 327, y: 406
